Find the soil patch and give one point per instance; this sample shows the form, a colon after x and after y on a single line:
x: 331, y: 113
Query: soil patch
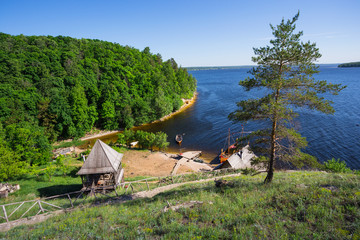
x: 146, y: 163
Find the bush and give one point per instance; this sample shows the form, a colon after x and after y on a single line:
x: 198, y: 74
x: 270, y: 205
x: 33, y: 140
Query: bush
x: 73, y: 143
x: 336, y: 166
x: 147, y: 140
x: 50, y: 172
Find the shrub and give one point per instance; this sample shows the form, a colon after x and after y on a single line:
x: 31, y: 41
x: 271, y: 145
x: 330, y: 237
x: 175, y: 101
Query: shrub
x: 336, y: 166
x: 50, y: 172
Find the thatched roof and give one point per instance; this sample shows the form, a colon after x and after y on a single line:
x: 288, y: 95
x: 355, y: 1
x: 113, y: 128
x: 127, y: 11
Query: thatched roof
x: 102, y: 159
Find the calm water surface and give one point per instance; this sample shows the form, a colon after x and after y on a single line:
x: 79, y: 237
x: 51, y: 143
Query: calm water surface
x: 205, y: 124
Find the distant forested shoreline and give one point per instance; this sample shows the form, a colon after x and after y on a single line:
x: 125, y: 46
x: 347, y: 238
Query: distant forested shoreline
x: 60, y: 87
x: 217, y: 67
x: 351, y: 64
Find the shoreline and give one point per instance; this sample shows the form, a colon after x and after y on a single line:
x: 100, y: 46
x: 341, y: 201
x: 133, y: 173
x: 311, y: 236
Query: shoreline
x: 103, y: 133
x: 186, y: 104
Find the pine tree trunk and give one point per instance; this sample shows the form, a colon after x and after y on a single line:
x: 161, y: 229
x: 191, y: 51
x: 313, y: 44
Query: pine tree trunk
x: 270, y: 171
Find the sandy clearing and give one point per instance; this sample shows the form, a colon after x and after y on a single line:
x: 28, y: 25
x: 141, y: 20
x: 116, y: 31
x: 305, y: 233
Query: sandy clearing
x: 158, y: 164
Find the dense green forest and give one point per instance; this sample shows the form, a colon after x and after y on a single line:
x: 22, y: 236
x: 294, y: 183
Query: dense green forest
x: 60, y: 87
x: 351, y: 64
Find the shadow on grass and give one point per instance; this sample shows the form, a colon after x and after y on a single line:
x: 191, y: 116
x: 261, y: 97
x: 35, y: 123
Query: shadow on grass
x: 73, y: 172
x: 58, y: 189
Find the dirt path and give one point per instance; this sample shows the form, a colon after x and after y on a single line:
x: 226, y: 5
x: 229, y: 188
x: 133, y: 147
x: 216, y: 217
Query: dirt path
x: 122, y: 199
x: 156, y: 191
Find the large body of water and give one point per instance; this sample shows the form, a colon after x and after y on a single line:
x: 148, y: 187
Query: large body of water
x: 205, y: 124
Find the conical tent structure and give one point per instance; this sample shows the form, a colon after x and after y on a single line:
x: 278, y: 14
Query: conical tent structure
x: 102, y: 160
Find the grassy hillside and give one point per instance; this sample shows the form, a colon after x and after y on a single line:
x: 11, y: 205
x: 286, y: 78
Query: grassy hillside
x: 302, y: 205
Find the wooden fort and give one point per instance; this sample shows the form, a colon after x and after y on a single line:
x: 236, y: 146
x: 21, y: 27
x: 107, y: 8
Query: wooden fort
x: 102, y: 168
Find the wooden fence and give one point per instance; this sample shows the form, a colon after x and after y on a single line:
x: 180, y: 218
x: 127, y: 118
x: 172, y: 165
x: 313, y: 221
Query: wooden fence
x: 18, y: 210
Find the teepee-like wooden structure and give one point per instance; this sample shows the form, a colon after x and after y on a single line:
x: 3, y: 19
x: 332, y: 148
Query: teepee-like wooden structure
x: 102, y: 168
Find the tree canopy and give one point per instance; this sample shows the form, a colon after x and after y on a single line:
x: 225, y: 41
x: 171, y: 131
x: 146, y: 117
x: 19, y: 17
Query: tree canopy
x: 285, y: 69
x: 68, y: 86
x: 60, y: 87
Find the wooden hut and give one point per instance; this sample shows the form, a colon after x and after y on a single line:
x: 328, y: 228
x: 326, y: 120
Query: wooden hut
x: 102, y: 168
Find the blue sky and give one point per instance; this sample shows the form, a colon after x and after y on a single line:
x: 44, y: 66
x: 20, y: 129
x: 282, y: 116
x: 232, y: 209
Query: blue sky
x: 194, y: 33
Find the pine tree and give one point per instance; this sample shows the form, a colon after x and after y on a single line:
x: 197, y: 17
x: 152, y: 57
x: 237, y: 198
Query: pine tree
x: 285, y: 69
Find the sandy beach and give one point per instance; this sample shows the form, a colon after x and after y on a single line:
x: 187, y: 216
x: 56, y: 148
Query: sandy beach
x: 147, y: 163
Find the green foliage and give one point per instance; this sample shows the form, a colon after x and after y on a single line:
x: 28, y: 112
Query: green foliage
x: 54, y: 88
x: 297, y: 205
x: 73, y: 143
x: 35, y: 171
x: 285, y: 69
x: 86, y: 152
x: 62, y: 165
x: 32, y: 186
x: 67, y: 86
x: 249, y: 171
x: 121, y: 139
x: 161, y: 140
x: 59, y: 161
x: 129, y: 136
x: 28, y: 143
x: 10, y: 167
x: 336, y: 166
x: 120, y: 150
x: 141, y: 137
x: 146, y: 140
x: 50, y: 172
x: 11, y: 164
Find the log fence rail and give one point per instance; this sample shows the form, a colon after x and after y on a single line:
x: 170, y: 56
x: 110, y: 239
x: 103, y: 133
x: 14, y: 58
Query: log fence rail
x: 18, y: 210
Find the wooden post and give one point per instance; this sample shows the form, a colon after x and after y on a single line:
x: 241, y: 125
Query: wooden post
x: 81, y: 193
x: 5, y: 215
x: 70, y: 200
x: 27, y: 210
x: 147, y: 184
x: 127, y: 187
x: 16, y: 209
x: 52, y: 205
x: 93, y: 192
x: 115, y: 191
x: 41, y: 208
x: 159, y: 182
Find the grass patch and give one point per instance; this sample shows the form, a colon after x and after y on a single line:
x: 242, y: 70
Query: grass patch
x: 73, y: 143
x: 32, y: 188
x: 300, y: 205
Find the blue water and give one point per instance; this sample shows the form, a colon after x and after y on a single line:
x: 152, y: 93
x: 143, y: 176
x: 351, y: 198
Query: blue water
x: 206, y: 125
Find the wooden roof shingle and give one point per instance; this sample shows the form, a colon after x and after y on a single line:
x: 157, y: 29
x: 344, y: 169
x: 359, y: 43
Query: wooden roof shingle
x: 102, y: 159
